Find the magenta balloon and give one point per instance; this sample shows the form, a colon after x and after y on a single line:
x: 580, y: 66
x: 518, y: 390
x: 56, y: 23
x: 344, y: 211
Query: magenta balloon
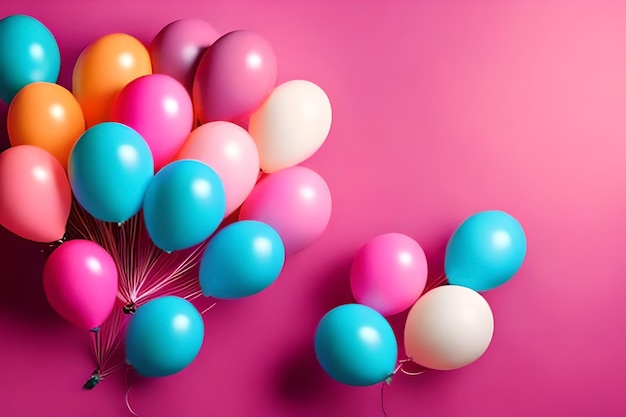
x: 177, y: 48
x: 234, y: 77
x: 80, y: 282
x: 389, y: 273
x: 295, y: 201
x: 159, y: 108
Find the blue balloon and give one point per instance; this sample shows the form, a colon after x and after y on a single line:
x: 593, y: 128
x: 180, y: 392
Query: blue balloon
x: 28, y: 53
x: 184, y: 204
x: 355, y: 345
x: 109, y: 169
x: 242, y: 259
x: 485, y: 251
x: 164, y: 336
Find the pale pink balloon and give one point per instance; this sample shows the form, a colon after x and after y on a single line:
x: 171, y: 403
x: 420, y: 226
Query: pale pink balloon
x: 234, y: 77
x: 231, y: 152
x: 295, y: 201
x: 159, y: 108
x: 389, y: 273
x: 80, y: 282
x: 178, y: 47
x: 35, y: 194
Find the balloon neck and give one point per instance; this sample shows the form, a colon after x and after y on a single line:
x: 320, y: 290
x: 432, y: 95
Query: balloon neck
x: 59, y: 242
x: 95, y: 329
x: 93, y: 380
x: 129, y: 308
x: 119, y: 224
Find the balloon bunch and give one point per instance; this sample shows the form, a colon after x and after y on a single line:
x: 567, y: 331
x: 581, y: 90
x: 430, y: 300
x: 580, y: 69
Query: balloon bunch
x: 149, y: 188
x: 447, y: 327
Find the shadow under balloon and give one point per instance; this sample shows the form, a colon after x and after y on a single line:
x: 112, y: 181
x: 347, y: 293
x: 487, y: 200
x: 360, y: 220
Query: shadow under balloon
x: 301, y: 381
x: 4, y: 132
x: 22, y: 296
x: 334, y: 286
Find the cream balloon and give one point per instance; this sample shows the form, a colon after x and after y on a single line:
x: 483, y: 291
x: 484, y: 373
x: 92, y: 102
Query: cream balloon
x: 448, y: 327
x: 291, y: 125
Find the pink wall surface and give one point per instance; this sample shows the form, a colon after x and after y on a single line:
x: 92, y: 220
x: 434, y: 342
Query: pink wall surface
x: 441, y: 109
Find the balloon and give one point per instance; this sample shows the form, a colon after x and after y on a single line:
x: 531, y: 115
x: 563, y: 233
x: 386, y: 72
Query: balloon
x: 177, y: 48
x: 80, y: 282
x: 235, y: 75
x: 485, y: 251
x: 448, y: 327
x: 158, y: 107
x: 28, y: 53
x: 184, y: 205
x: 103, y: 69
x: 291, y: 125
x: 48, y: 116
x: 242, y: 259
x: 389, y: 273
x: 35, y: 195
x: 355, y: 345
x: 231, y: 152
x: 164, y: 336
x: 295, y: 201
x: 110, y: 168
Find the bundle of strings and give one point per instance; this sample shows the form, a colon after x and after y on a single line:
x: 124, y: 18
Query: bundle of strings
x: 145, y: 272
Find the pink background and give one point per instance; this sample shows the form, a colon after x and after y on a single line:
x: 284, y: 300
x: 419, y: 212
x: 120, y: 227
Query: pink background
x: 441, y: 109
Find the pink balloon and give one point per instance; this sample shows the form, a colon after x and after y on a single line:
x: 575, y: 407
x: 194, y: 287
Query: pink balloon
x: 80, y: 282
x: 234, y: 77
x: 389, y: 273
x: 295, y: 201
x: 159, y: 108
x: 231, y: 152
x: 35, y: 194
x: 177, y: 48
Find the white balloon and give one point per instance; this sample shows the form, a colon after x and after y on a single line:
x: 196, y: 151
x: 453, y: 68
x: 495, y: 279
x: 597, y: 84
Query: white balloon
x: 448, y: 327
x: 291, y: 125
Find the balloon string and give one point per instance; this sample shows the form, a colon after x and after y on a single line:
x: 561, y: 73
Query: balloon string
x: 399, y: 368
x: 207, y: 309
x: 382, y: 398
x: 437, y: 282
x: 128, y: 394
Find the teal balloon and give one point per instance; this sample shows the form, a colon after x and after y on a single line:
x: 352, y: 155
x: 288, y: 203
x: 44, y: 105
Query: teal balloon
x: 355, y: 345
x: 485, y: 251
x: 109, y: 169
x: 242, y: 259
x: 164, y: 336
x: 28, y: 53
x: 184, y: 205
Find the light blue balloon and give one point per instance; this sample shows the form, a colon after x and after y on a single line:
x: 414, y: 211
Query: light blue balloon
x: 355, y: 345
x: 485, y: 251
x: 109, y: 169
x: 164, y: 336
x: 184, y: 205
x: 242, y: 259
x: 28, y: 53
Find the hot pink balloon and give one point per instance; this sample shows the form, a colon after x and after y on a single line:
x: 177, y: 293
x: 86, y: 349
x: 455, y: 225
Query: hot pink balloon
x: 295, y: 201
x: 389, y: 273
x: 234, y: 77
x: 80, y: 282
x: 177, y: 48
x: 231, y: 152
x: 35, y: 194
x: 159, y: 108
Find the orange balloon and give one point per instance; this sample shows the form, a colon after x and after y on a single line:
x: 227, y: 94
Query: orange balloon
x: 48, y: 116
x: 103, y: 69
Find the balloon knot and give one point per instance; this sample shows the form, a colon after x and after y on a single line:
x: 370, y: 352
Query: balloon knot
x: 95, y: 329
x: 129, y: 308
x: 59, y: 242
x: 93, y: 380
